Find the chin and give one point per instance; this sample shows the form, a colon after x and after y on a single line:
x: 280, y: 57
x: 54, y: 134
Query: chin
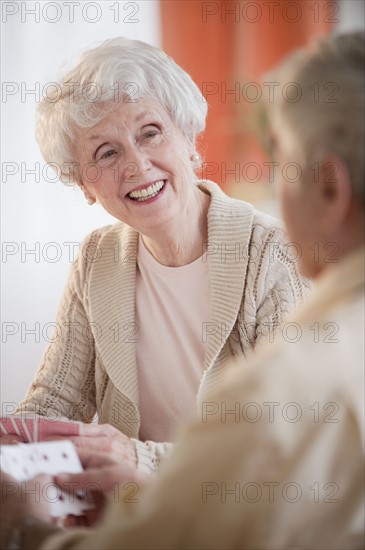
x: 310, y: 270
x: 156, y: 222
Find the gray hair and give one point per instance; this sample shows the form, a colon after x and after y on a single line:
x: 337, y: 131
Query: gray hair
x: 325, y: 111
x: 117, y: 70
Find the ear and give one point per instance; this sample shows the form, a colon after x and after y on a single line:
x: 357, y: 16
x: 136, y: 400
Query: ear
x: 89, y: 198
x: 334, y: 193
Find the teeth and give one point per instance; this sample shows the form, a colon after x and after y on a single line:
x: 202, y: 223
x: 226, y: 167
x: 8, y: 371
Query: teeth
x: 148, y: 193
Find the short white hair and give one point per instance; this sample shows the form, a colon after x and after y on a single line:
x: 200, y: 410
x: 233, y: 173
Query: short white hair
x: 328, y: 115
x: 117, y: 70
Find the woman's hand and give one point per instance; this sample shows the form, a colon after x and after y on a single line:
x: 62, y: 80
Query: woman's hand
x: 21, y: 500
x: 10, y: 440
x: 103, y: 479
x: 105, y: 438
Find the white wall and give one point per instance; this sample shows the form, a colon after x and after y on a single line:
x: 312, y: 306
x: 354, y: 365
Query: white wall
x: 351, y: 15
x: 36, y: 211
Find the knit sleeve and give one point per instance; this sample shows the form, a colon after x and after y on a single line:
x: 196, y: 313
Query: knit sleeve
x: 64, y: 384
x: 150, y: 455
x: 274, y: 287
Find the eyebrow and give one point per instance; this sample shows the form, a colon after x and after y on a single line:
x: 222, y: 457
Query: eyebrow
x: 139, y: 117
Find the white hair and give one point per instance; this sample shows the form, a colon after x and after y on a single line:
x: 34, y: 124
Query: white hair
x: 117, y: 70
x: 328, y: 116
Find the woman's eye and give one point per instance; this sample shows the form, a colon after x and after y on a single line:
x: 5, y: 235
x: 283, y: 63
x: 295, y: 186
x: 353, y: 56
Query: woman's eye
x: 151, y: 133
x: 106, y: 154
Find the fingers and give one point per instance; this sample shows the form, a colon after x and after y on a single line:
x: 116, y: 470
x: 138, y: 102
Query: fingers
x: 102, y: 438
x: 77, y: 482
x: 55, y: 438
x: 99, y: 443
x: 25, y: 498
x: 96, y: 444
x: 122, y: 449
x: 5, y: 478
x: 98, y: 480
x: 75, y: 521
x: 92, y: 429
x: 10, y: 440
x: 91, y: 459
x: 33, y: 487
x: 96, y: 452
x: 106, y: 430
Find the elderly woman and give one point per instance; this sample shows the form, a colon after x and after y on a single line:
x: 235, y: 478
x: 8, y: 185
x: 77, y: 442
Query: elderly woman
x: 157, y: 304
x: 275, y: 483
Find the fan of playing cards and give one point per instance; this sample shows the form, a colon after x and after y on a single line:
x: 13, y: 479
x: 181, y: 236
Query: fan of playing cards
x: 31, y: 429
x: 26, y: 461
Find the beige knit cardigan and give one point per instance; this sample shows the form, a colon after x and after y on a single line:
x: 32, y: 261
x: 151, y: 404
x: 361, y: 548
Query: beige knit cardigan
x: 92, y: 368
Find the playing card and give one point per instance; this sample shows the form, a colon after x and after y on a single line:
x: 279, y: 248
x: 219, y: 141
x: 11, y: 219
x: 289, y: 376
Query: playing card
x: 48, y: 428
x: 36, y: 428
x: 23, y: 427
x: 23, y: 462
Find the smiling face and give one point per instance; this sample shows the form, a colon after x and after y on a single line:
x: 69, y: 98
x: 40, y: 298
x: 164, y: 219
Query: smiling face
x: 136, y: 163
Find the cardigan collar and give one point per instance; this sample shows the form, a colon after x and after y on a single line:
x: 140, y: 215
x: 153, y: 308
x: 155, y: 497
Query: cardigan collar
x: 229, y: 232
x: 113, y: 308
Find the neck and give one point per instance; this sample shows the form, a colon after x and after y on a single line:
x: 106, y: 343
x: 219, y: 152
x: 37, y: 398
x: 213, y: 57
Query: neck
x: 185, y: 239
x: 339, y: 245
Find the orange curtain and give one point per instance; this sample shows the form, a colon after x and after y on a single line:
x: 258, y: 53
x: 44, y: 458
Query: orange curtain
x: 226, y: 47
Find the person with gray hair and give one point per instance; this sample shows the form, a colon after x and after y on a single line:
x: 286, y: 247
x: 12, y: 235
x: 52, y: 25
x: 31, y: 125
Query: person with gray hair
x: 278, y: 459
x: 158, y: 303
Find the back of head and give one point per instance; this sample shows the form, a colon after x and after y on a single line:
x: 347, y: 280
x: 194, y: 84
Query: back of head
x: 320, y: 97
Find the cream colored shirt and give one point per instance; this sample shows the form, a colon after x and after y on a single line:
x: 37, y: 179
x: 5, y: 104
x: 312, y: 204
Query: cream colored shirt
x: 172, y: 305
x: 255, y: 479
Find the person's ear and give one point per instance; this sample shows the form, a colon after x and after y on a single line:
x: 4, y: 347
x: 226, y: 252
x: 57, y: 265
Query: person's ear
x: 334, y: 193
x: 89, y: 198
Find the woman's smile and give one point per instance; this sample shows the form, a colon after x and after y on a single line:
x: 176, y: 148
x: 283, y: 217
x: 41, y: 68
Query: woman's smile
x: 148, y: 193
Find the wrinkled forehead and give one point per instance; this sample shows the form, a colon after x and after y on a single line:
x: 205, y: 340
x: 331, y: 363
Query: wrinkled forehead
x: 125, y: 115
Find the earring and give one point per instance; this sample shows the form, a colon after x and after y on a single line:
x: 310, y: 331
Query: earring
x: 195, y: 158
x: 90, y: 201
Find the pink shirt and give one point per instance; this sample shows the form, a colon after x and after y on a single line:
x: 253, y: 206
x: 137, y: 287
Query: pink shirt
x: 171, y: 305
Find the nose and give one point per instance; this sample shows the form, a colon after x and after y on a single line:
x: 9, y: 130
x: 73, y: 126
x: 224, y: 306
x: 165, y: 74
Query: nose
x: 136, y: 163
